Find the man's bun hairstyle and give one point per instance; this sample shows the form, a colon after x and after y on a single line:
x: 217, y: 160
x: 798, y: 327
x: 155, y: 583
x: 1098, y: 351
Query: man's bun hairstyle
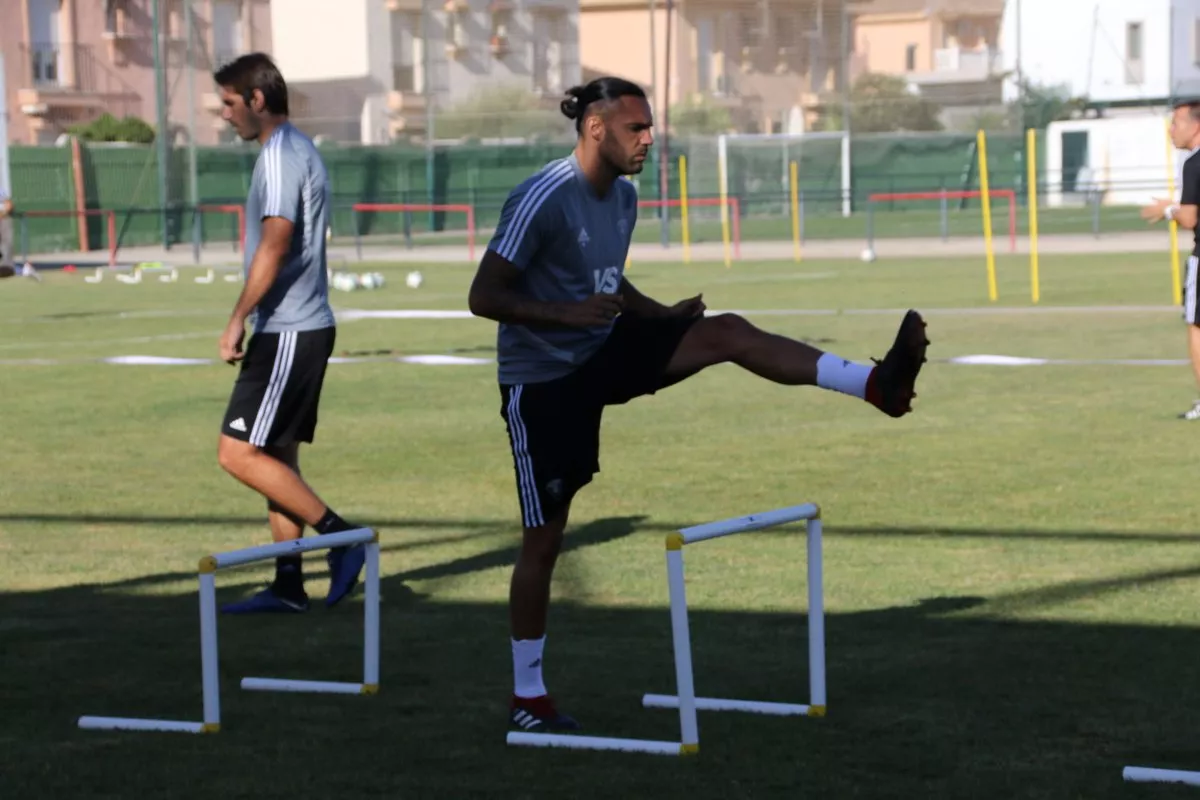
x: 602, y: 90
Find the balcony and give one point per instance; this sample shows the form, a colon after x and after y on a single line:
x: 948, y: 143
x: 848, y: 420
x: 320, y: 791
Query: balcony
x: 406, y: 108
x: 961, y: 65
x: 59, y: 76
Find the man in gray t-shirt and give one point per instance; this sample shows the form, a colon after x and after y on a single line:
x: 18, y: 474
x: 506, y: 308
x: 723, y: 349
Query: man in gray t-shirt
x: 575, y: 336
x: 273, y: 407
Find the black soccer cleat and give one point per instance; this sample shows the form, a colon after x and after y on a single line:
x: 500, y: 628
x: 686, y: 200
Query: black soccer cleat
x: 538, y: 715
x: 892, y: 385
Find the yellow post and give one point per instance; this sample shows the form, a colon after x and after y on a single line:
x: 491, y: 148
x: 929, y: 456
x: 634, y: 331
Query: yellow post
x: 794, y: 185
x: 985, y: 195
x: 1177, y: 297
x: 683, y: 204
x: 724, y: 210
x: 1031, y: 156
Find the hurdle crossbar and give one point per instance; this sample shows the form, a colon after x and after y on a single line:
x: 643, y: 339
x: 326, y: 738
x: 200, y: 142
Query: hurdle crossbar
x: 686, y: 700
x: 208, y: 567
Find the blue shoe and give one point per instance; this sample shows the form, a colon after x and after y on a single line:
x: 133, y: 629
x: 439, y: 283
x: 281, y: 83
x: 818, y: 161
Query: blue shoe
x: 345, y: 564
x: 266, y: 602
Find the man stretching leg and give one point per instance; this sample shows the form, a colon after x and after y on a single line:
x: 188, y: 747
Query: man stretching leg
x: 576, y: 336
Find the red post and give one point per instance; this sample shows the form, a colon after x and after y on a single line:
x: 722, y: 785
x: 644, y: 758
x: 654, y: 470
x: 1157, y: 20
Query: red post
x: 112, y: 238
x: 471, y: 232
x: 737, y: 228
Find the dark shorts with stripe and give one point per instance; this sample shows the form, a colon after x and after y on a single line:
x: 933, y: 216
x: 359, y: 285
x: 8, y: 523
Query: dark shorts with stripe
x: 554, y: 426
x: 274, y: 401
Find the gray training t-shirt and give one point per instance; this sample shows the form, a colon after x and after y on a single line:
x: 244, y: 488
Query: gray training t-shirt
x: 290, y: 181
x: 569, y: 244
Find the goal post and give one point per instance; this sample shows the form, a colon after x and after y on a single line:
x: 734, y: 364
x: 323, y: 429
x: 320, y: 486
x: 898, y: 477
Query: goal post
x: 369, y: 227
x: 756, y: 168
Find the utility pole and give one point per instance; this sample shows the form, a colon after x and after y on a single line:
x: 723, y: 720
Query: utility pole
x: 664, y: 217
x: 193, y: 173
x: 162, y: 134
x: 664, y: 165
x: 427, y: 88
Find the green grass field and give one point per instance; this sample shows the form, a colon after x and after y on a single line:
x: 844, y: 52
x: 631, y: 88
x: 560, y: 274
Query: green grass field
x: 1012, y: 572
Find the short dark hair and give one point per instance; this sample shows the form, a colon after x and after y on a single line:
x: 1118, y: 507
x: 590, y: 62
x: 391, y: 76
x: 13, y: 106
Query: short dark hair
x: 255, y: 71
x: 601, y: 90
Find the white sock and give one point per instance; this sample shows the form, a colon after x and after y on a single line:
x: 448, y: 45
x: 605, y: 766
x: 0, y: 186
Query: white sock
x: 840, y: 375
x: 527, y: 667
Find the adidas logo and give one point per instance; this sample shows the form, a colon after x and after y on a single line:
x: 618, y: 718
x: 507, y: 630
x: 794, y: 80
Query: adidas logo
x: 525, y: 720
x: 583, y: 237
x: 238, y: 424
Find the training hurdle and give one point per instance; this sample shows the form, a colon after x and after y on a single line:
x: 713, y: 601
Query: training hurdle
x: 209, y: 565
x: 233, y: 274
x: 685, y: 699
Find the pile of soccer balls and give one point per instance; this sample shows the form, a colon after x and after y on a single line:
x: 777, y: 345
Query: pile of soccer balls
x: 351, y: 281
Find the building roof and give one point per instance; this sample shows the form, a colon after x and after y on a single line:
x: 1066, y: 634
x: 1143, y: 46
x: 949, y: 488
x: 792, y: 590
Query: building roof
x: 980, y: 8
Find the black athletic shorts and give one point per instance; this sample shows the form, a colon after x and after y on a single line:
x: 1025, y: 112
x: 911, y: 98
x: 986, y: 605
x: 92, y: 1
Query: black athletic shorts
x: 278, y: 389
x: 554, y: 426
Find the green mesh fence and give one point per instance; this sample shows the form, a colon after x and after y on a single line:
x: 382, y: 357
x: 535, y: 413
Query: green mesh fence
x: 124, y: 179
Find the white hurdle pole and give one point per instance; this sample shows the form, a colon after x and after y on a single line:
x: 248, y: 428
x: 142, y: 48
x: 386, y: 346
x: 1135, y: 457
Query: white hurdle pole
x: 685, y: 699
x: 208, y: 677
x: 1154, y: 775
x: 208, y: 635
x: 364, y: 536
x: 816, y: 618
x: 689, y: 728
x: 371, y: 621
x: 572, y: 742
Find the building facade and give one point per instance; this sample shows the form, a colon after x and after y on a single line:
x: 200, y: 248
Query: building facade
x: 389, y: 69
x: 1112, y: 52
x: 68, y: 61
x: 763, y: 62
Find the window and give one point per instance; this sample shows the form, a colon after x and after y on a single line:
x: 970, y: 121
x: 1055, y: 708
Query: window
x: 406, y: 52
x: 548, y: 33
x: 1134, y: 64
x: 910, y: 58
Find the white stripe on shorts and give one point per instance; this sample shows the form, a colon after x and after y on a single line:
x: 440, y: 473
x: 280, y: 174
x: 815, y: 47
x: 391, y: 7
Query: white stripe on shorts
x: 267, y: 409
x: 1189, y: 291
x: 531, y: 505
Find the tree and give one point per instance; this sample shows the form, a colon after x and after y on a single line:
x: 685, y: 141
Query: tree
x: 698, y: 116
x: 501, y: 112
x: 1040, y: 105
x: 107, y: 128
x: 883, y: 103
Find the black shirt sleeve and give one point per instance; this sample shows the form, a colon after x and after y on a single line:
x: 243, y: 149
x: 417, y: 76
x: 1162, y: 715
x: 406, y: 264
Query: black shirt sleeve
x: 1190, y: 195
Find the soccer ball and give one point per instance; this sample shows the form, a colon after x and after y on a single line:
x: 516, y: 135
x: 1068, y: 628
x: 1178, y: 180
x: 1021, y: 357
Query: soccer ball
x: 867, y: 255
x: 345, y: 281
x: 370, y: 280
x: 414, y: 279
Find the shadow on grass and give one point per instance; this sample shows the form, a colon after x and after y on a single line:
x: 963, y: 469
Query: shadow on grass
x: 945, y: 698
x: 487, y: 527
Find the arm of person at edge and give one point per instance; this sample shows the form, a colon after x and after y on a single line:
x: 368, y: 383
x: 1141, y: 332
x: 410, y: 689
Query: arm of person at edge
x: 1187, y: 211
x: 273, y: 247
x: 6, y: 206
x: 494, y: 295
